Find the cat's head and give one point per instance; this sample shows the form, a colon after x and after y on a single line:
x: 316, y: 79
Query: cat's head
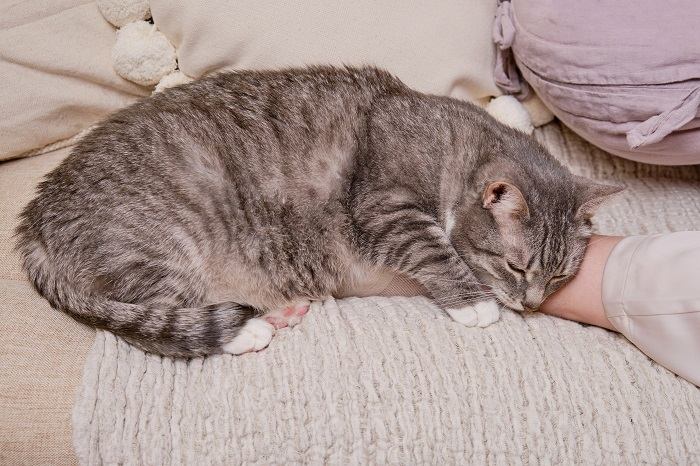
x: 524, y: 241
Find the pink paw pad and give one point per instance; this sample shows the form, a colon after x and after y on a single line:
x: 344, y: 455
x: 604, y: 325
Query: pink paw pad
x: 276, y: 322
x: 289, y: 316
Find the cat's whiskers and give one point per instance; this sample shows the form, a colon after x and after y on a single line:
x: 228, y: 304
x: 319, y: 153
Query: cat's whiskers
x: 462, y: 300
x: 449, y: 280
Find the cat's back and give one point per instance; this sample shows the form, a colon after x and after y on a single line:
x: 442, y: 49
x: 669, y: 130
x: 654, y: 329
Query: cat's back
x: 249, y: 124
x: 256, y: 125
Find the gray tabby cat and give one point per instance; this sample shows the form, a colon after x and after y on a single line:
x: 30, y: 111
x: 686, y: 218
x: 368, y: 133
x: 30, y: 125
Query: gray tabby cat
x: 200, y: 219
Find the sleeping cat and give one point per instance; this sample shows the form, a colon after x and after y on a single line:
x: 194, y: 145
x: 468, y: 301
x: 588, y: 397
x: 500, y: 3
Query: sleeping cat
x: 200, y: 219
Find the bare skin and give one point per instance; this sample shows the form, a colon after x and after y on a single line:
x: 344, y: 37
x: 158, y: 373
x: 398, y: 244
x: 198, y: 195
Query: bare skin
x: 581, y: 299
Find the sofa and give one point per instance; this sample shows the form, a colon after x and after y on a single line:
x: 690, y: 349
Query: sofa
x: 361, y: 380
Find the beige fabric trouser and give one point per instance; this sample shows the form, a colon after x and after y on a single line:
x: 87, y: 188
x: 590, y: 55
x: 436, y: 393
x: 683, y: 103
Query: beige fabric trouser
x: 651, y: 294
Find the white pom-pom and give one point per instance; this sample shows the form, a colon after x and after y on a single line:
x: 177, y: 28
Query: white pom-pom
x: 173, y: 79
x: 121, y: 12
x: 509, y: 111
x: 143, y: 54
x: 539, y: 114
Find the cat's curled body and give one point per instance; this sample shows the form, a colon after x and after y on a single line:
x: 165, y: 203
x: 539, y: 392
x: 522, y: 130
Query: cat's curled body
x: 180, y: 221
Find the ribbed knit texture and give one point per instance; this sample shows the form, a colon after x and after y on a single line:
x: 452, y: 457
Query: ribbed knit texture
x: 394, y: 380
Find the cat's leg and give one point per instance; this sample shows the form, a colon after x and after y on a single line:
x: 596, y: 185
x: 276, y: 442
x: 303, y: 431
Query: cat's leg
x: 289, y: 316
x: 400, y: 236
x: 257, y: 333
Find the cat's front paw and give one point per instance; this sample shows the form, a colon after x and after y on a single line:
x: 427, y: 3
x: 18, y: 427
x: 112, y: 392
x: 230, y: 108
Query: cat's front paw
x: 481, y: 314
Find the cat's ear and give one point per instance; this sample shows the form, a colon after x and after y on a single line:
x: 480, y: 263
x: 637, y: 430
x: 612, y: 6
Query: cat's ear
x: 592, y: 195
x: 505, y: 201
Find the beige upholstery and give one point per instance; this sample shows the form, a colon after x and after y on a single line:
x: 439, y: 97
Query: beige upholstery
x: 41, y: 351
x: 56, y: 75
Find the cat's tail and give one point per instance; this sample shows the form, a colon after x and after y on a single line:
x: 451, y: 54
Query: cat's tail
x: 178, y: 332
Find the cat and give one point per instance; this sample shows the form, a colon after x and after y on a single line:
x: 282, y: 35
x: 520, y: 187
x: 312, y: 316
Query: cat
x: 200, y: 219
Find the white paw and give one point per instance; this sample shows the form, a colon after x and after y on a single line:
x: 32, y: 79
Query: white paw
x: 480, y: 314
x: 255, y: 335
x: 464, y: 315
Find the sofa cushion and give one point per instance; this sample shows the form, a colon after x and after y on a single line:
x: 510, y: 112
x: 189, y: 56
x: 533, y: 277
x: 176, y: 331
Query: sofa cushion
x: 42, y: 351
x: 436, y: 47
x: 600, y: 70
x: 18, y: 179
x: 56, y: 69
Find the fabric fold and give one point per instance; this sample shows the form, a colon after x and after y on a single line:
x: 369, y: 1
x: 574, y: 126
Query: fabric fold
x: 659, y: 126
x: 505, y: 73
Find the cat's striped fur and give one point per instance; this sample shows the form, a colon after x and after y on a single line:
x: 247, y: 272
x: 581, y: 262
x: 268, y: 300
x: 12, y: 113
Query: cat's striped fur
x: 180, y: 218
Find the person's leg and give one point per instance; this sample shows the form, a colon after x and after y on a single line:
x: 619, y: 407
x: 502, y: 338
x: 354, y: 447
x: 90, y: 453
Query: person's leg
x: 645, y: 287
x: 581, y: 299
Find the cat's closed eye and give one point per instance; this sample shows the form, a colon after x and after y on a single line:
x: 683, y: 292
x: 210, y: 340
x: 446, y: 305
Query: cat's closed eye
x: 557, y: 278
x: 514, y: 268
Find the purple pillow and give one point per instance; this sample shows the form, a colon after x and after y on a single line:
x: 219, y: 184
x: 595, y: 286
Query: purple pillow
x: 623, y: 75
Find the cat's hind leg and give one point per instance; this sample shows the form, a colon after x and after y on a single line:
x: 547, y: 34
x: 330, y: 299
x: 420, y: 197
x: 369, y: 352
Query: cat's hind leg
x: 255, y: 335
x: 257, y: 332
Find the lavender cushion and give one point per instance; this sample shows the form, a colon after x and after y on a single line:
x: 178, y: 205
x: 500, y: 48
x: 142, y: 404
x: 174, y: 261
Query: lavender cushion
x: 623, y: 75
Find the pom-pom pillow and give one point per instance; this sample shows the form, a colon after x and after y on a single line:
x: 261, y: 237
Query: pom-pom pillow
x: 624, y: 75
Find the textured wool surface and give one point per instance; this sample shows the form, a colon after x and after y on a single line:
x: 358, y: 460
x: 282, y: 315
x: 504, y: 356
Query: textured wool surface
x: 394, y: 380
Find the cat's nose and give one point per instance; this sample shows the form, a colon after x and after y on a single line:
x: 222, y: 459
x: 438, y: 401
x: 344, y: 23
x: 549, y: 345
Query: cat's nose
x: 533, y: 299
x: 531, y: 305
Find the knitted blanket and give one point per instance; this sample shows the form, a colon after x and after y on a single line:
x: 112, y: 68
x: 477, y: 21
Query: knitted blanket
x: 394, y: 380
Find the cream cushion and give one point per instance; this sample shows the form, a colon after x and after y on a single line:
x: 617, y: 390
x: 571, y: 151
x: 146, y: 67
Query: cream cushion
x: 436, y: 47
x: 56, y: 75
